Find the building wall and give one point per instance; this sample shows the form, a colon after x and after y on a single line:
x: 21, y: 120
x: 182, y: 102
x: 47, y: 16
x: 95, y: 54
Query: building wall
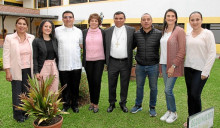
x: 14, y: 9
x: 28, y: 3
x: 135, y: 8
x: 9, y: 22
x: 132, y: 8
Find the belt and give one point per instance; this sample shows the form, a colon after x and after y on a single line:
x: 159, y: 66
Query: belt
x: 120, y: 59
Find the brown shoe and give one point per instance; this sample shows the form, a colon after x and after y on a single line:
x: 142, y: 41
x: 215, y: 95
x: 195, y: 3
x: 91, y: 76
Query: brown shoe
x: 96, y: 108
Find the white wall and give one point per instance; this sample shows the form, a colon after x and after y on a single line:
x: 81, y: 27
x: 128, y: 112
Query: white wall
x: 28, y: 3
x: 65, y: 2
x: 135, y: 8
x: 9, y: 24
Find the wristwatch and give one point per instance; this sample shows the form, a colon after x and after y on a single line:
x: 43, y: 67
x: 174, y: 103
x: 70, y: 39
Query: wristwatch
x: 174, y: 66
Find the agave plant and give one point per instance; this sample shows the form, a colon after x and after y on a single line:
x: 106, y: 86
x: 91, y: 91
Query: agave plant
x: 41, y: 102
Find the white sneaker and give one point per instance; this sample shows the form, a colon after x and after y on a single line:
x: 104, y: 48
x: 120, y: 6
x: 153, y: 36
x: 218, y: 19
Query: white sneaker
x: 173, y: 116
x: 165, y: 116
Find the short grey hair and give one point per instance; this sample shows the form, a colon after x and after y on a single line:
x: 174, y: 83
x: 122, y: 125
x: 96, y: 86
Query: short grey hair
x: 146, y: 14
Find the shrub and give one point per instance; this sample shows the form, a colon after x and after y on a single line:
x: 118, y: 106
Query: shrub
x: 83, y: 90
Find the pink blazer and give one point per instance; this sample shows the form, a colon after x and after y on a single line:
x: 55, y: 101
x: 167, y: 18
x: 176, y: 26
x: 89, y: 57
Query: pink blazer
x: 11, y: 55
x: 176, y: 50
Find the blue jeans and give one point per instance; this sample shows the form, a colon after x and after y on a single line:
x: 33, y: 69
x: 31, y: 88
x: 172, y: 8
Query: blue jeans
x: 169, y: 85
x: 141, y: 73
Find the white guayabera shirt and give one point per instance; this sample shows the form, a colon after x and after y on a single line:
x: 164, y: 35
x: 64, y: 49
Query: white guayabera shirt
x: 69, y: 54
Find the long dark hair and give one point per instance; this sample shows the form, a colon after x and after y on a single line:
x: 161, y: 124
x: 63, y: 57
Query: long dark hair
x: 164, y: 20
x: 40, y: 31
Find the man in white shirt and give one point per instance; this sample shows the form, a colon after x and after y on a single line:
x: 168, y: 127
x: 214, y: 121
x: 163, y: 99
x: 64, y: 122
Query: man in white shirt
x: 119, y: 41
x: 69, y: 40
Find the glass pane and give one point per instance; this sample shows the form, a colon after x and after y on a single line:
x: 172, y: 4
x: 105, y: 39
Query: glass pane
x: 77, y: 1
x: 42, y: 3
x: 55, y: 3
x: 96, y: 0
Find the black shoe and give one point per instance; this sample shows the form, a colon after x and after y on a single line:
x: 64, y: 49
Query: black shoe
x: 95, y: 110
x: 20, y: 120
x: 26, y: 116
x: 65, y: 108
x: 111, y: 108
x: 75, y: 109
x: 124, y: 108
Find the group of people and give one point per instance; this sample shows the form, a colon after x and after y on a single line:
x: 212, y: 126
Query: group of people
x: 56, y: 51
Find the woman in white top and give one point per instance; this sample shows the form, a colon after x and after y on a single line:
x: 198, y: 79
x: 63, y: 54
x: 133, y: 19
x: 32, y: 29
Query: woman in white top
x: 172, y: 45
x: 200, y: 56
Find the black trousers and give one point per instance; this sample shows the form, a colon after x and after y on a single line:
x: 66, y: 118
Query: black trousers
x: 194, y: 85
x: 19, y: 87
x: 94, y: 70
x: 70, y: 94
x: 118, y: 67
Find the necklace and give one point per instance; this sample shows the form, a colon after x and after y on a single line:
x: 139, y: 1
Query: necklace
x: 118, y: 37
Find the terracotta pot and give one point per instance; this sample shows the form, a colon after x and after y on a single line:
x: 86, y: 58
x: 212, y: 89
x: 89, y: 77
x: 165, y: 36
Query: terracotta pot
x: 57, y: 125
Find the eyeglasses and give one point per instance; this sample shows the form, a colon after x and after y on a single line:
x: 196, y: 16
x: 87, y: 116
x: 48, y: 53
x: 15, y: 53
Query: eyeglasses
x: 68, y: 17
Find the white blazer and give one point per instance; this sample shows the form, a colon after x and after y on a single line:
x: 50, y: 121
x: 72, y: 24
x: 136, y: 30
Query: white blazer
x: 11, y: 55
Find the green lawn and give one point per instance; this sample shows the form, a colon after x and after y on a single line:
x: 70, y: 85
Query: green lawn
x: 1, y: 52
x: 118, y: 119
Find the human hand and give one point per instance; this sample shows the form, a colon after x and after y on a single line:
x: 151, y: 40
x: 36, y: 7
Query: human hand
x: 203, y: 77
x: 170, y: 71
x: 39, y: 77
x: 8, y: 76
x: 160, y: 75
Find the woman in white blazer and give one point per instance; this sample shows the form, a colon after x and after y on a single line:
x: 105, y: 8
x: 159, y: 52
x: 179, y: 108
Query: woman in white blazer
x: 18, y: 63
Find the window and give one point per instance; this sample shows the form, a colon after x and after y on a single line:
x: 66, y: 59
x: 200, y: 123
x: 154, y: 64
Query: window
x: 55, y: 3
x: 215, y: 28
x: 13, y: 4
x: 96, y: 0
x: 77, y: 1
x: 42, y: 3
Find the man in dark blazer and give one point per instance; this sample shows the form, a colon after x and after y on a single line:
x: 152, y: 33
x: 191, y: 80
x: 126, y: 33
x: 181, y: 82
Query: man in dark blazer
x: 119, y: 41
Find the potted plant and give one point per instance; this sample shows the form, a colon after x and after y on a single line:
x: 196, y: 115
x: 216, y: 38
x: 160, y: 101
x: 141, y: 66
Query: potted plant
x: 42, y: 103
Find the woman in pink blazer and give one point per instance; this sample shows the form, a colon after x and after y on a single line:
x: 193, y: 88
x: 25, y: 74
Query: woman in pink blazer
x: 18, y: 63
x: 173, y: 43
